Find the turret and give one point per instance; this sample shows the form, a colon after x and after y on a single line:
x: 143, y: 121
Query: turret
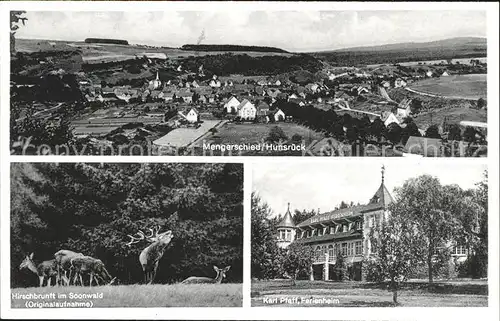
x: 286, y: 230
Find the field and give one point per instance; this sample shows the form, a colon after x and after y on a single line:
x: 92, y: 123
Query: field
x: 453, y: 116
x: 458, y: 86
x: 95, y: 53
x: 361, y: 294
x: 256, y: 133
x: 158, y: 295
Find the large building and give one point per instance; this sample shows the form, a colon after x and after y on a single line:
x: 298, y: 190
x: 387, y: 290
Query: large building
x: 339, y: 232
x: 343, y: 232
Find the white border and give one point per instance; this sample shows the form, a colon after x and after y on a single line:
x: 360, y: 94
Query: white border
x: 262, y: 313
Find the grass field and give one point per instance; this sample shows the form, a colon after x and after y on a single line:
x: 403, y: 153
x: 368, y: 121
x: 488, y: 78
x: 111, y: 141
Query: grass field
x: 233, y: 133
x: 453, y: 116
x: 458, y: 86
x: 158, y: 295
x: 361, y: 294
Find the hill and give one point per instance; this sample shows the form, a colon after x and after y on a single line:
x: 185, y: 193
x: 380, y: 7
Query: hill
x: 462, y: 47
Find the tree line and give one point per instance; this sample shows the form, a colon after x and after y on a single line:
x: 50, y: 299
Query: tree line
x: 91, y: 208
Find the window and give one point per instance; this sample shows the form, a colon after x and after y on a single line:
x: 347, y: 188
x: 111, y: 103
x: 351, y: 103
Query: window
x: 331, y: 251
x: 350, y: 249
x: 344, y: 228
x: 332, y: 229
x: 359, y: 247
x: 344, y: 249
x: 459, y: 250
x: 357, y: 225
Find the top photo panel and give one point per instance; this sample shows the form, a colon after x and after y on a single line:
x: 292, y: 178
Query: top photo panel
x: 249, y: 83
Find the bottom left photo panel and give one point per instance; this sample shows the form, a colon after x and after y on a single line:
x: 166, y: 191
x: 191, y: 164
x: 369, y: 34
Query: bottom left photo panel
x: 126, y: 235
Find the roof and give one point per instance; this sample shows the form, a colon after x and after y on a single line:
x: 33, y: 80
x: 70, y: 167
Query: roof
x: 287, y: 221
x: 380, y: 200
x: 244, y: 103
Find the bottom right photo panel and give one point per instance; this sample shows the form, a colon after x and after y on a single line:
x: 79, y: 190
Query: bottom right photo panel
x: 369, y: 234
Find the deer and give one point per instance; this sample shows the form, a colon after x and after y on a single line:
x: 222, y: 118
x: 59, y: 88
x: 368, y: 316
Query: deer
x: 221, y: 273
x: 92, y: 266
x: 63, y: 260
x: 44, y: 270
x: 151, y: 255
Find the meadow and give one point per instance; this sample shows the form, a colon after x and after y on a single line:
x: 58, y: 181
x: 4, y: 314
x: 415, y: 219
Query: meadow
x: 363, y: 294
x: 140, y: 295
x: 456, y: 86
x: 233, y: 133
x: 453, y: 116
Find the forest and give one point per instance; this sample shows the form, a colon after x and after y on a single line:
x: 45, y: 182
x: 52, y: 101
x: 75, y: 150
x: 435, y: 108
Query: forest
x: 91, y: 208
x: 227, y: 64
x: 231, y: 48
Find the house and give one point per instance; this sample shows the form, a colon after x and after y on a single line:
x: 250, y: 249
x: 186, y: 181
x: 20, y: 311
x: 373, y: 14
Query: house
x: 168, y: 96
x: 231, y: 106
x: 278, y: 115
x: 386, y: 84
x: 445, y: 74
x: 259, y: 91
x: 404, y: 109
x: 214, y: 83
x: 262, y: 108
x: 246, y: 110
x: 312, y: 87
x: 299, y: 101
x: 186, y: 95
x: 398, y: 83
x: 389, y: 118
x: 191, y: 116
x: 429, y: 73
x: 292, y: 96
x: 202, y: 99
x: 194, y: 84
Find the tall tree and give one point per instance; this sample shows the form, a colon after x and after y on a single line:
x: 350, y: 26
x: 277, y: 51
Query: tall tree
x: 399, y: 249
x: 426, y: 202
x: 15, y: 18
x: 298, y: 258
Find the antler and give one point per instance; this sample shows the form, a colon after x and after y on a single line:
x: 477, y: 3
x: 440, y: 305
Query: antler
x: 134, y: 239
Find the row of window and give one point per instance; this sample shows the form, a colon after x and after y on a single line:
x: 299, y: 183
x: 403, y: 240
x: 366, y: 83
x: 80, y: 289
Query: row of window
x: 339, y: 228
x: 345, y: 249
x: 285, y: 235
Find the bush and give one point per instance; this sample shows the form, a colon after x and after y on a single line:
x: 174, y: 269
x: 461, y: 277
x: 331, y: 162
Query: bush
x: 373, y: 272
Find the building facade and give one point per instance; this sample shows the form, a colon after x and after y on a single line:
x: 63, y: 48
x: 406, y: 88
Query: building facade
x: 341, y: 232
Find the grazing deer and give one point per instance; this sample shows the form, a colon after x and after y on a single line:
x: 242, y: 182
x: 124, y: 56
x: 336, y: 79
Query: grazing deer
x: 92, y: 266
x: 63, y: 260
x: 151, y: 255
x: 221, y: 273
x: 44, y: 270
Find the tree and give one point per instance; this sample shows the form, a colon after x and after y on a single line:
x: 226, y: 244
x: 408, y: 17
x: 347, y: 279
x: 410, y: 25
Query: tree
x: 399, y: 249
x: 299, y: 216
x: 432, y: 132
x: 296, y: 139
x: 481, y: 103
x: 266, y: 261
x: 276, y: 135
x: 415, y: 106
x: 393, y: 133
x: 429, y: 206
x: 377, y: 128
x: 298, y: 258
x: 469, y: 134
x: 454, y: 132
x: 15, y: 18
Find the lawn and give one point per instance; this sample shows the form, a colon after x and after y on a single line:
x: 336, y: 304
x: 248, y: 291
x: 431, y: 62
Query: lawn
x: 363, y: 294
x: 457, y: 86
x: 157, y: 295
x: 233, y: 133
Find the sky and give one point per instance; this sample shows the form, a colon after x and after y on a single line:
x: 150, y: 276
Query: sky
x: 290, y: 30
x: 325, y: 185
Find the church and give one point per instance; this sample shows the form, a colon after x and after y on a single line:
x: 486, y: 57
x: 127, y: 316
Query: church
x: 339, y: 232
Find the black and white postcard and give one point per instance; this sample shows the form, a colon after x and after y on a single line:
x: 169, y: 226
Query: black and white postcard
x: 255, y: 83
x: 385, y: 236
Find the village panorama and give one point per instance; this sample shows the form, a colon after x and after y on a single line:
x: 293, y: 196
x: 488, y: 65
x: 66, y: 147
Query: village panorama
x: 106, y: 96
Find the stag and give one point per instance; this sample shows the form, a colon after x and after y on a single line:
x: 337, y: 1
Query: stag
x: 93, y: 267
x: 63, y: 260
x: 151, y: 255
x: 221, y: 273
x: 44, y: 270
